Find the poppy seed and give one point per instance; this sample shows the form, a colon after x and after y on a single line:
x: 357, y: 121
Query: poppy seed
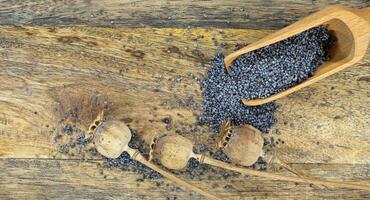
x: 259, y: 74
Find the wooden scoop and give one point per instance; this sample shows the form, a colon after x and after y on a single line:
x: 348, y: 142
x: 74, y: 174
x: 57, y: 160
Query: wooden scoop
x: 350, y: 26
x: 111, y: 139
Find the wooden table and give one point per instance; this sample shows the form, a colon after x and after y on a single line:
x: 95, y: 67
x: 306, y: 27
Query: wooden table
x: 148, y: 66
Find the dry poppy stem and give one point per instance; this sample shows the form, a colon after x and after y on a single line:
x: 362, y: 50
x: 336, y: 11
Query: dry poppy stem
x: 298, y: 173
x: 174, y: 178
x: 351, y: 185
x: 111, y: 140
x: 174, y: 152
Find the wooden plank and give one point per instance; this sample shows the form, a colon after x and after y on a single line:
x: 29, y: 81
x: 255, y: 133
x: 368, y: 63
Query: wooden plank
x: 325, y: 123
x: 180, y: 14
x: 71, y: 179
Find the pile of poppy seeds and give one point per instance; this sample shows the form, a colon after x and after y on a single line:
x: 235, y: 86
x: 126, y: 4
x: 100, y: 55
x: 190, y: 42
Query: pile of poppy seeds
x: 259, y: 74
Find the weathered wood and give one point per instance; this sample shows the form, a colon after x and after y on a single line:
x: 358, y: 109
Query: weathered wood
x: 157, y: 13
x: 71, y: 179
x: 139, y: 70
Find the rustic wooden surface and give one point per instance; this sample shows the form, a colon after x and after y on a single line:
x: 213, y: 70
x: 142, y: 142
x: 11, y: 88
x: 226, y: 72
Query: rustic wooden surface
x: 157, y: 13
x: 325, y: 127
x: 70, y: 179
x: 326, y: 123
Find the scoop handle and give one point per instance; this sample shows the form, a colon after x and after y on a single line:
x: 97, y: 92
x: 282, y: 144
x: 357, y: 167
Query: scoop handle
x: 137, y: 156
x: 217, y: 163
x: 364, y: 13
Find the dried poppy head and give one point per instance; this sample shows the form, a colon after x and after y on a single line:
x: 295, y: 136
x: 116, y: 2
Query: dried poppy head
x: 173, y: 151
x: 242, y: 144
x: 111, y: 138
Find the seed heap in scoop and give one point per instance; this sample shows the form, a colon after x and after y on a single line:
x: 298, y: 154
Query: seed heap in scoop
x: 259, y: 74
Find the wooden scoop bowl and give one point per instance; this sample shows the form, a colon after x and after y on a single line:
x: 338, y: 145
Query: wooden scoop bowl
x: 351, y: 27
x: 111, y: 139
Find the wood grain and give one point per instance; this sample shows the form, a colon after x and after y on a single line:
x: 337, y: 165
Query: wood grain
x: 221, y: 14
x: 71, y: 179
x: 150, y: 75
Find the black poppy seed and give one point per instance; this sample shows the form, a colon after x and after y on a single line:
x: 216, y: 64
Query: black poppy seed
x: 266, y: 141
x: 262, y: 167
x: 67, y: 129
x: 262, y: 164
x: 203, y: 148
x: 277, y: 132
x: 228, y: 187
x: 192, y: 164
x: 80, y: 140
x: 93, y: 151
x: 259, y: 74
x: 220, y: 155
x: 167, y: 120
x: 64, y: 148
